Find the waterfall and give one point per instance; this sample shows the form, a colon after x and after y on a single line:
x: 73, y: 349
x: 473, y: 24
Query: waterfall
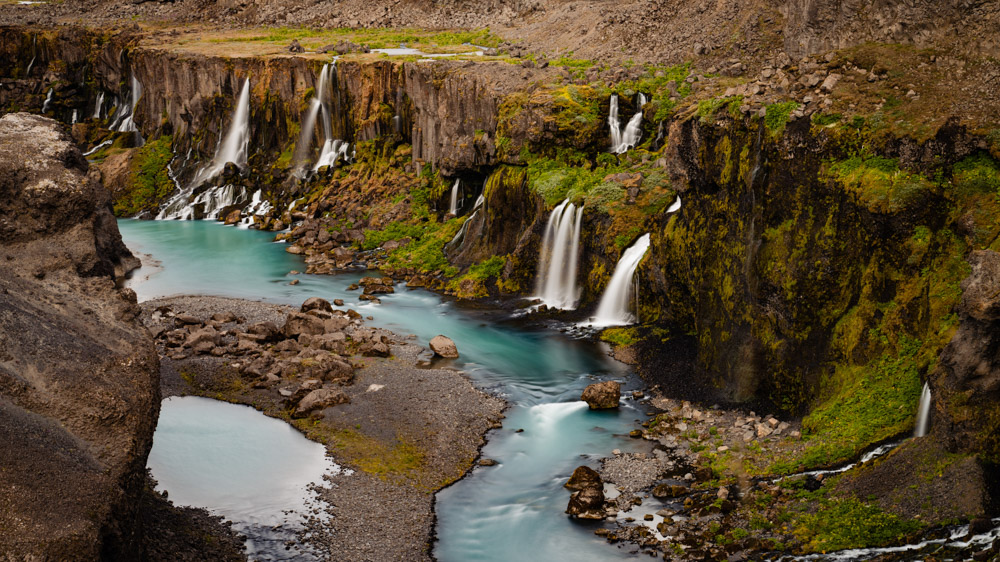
x: 453, y: 209
x: 125, y: 119
x: 48, y: 101
x: 73, y: 120
x: 98, y: 105
x: 558, y: 260
x: 332, y: 149
x: 614, y: 307
x: 459, y: 239
x: 923, y: 412
x: 34, y: 44
x: 98, y: 147
x: 233, y: 147
x: 675, y: 206
x: 257, y: 206
x: 621, y: 140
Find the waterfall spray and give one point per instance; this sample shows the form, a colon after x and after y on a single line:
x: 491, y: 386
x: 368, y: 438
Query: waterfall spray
x: 558, y: 260
x: 614, y: 307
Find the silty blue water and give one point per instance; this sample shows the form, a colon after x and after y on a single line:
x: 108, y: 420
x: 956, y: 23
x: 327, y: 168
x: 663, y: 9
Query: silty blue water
x: 512, y: 511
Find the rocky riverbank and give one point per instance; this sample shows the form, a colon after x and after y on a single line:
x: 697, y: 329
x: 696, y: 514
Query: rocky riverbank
x: 384, y: 407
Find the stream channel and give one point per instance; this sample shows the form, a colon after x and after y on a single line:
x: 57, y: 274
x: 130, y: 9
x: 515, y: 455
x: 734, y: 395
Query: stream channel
x: 511, y: 511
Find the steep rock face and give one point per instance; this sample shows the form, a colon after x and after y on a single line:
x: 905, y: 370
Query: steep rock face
x: 967, y: 381
x: 79, y: 390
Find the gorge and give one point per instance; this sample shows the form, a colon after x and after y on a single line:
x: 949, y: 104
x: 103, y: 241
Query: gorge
x: 828, y: 286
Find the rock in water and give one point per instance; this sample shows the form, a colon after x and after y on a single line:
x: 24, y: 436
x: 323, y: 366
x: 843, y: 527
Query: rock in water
x: 316, y: 303
x: 444, y: 347
x: 602, y: 395
x: 80, y: 380
x: 584, y: 477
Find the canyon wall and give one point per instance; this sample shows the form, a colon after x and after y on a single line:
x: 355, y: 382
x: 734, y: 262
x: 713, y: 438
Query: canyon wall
x: 79, y: 377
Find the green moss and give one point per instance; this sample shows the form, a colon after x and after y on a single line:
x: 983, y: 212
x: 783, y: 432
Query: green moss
x: 839, y: 524
x: 620, y: 336
x: 879, y: 183
x: 473, y: 283
x: 864, y: 405
x: 149, y: 182
x: 977, y: 174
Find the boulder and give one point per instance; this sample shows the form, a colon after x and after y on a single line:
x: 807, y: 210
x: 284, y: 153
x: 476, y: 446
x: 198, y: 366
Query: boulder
x: 584, y: 477
x: 316, y: 303
x: 443, y: 346
x: 602, y: 395
x: 587, y: 504
x: 267, y: 331
x: 202, y: 336
x: 295, y: 47
x: 298, y: 323
x: 320, y: 399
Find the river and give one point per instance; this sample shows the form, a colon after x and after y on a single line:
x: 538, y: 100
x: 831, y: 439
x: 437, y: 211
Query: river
x: 512, y: 511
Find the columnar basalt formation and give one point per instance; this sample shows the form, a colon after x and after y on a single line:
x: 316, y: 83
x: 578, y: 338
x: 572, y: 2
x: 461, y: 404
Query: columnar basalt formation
x: 79, y: 377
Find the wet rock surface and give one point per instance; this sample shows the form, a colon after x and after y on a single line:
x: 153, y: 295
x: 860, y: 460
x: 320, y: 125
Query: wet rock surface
x: 602, y: 395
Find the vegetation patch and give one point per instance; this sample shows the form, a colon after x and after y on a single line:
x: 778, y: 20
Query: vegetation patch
x: 149, y: 182
x: 879, y: 183
x: 473, y: 283
x: 776, y: 116
x: 620, y: 336
x: 843, y: 523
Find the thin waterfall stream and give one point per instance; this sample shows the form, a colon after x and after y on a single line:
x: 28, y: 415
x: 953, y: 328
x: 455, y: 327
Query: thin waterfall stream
x: 557, y: 265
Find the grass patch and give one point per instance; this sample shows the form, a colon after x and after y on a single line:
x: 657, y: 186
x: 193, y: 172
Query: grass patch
x: 776, y: 116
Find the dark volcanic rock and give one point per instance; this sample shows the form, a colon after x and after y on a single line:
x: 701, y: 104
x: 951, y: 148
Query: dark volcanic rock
x: 79, y: 386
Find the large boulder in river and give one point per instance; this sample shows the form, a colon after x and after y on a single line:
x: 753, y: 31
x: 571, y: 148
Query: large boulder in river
x: 602, y: 395
x: 584, y: 477
x: 587, y: 502
x: 444, y: 347
x: 79, y: 375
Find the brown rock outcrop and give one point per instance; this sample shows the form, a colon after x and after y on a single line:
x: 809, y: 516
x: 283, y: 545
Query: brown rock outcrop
x: 79, y: 377
x: 602, y: 395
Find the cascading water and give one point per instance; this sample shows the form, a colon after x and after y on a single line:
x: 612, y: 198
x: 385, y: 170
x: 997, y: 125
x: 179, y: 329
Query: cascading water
x: 98, y: 105
x: 621, y: 140
x: 453, y: 209
x: 332, y: 149
x: 74, y: 118
x: 923, y: 412
x: 125, y: 119
x: 675, y: 206
x: 459, y: 238
x: 614, y: 307
x: 233, y: 148
x: 48, y: 101
x: 34, y: 43
x: 558, y: 260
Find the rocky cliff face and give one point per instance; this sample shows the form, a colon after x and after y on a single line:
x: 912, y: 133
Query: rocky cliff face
x: 79, y: 392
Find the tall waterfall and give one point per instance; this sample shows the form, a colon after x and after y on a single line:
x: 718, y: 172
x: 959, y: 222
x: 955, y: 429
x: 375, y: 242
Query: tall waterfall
x: 923, y: 412
x: 622, y: 140
x: 233, y: 148
x: 614, y: 307
x: 125, y: 118
x: 453, y: 209
x: 48, y: 101
x: 558, y: 260
x: 234, y: 145
x: 332, y: 149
